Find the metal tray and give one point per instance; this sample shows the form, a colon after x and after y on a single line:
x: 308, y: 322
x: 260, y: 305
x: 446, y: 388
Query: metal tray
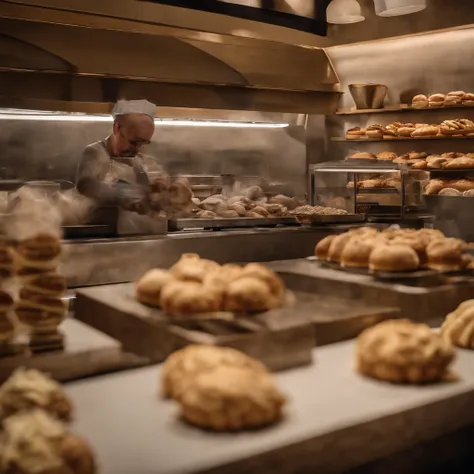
x: 219, y: 223
x: 330, y: 219
x: 88, y: 231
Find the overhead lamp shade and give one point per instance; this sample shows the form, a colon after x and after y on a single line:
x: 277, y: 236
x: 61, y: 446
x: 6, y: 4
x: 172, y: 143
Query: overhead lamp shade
x: 342, y: 12
x: 398, y: 7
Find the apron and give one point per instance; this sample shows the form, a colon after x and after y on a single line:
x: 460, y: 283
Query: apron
x: 131, y: 223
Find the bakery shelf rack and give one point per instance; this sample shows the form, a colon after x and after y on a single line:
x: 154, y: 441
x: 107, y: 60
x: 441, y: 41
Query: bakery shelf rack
x: 398, y: 108
x: 395, y: 139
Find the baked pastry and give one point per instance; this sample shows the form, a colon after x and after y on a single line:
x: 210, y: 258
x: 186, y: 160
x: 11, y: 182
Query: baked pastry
x: 462, y: 184
x: 426, y: 131
x: 29, y: 388
x: 322, y: 247
x: 206, y: 215
x: 269, y: 277
x: 459, y: 163
x: 387, y: 156
x: 467, y: 99
x: 50, y: 284
x: 33, y: 442
x: 219, y: 279
x: 436, y: 163
x: 420, y: 165
x: 357, y: 252
x: 363, y: 156
x: 434, y: 186
x: 393, y: 258
x: 6, y: 260
x: 453, y: 99
x: 238, y: 208
x: 227, y: 214
x: 390, y: 131
x: 232, y: 398
x: 148, y: 287
x: 400, y: 351
x: 192, y: 268
x: 416, y: 242
x: 182, y: 366
x: 355, y: 133
x: 375, y: 131
x: 37, y: 255
x: 40, y: 313
x: 445, y: 254
x: 449, y: 192
x: 181, y: 298
x: 458, y: 327
x: 337, y: 246
x: 469, y: 193
x: 406, y: 131
x: 436, y: 100
x: 420, y: 101
x: 250, y: 293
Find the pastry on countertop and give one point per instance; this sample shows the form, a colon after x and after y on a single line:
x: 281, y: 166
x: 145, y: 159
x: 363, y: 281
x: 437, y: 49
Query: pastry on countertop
x: 458, y: 327
x: 337, y: 247
x: 232, y: 398
x: 183, y: 298
x: 33, y: 442
x: 148, y: 287
x: 446, y: 254
x: 322, y: 247
x: 180, y: 368
x: 400, y: 351
x: 420, y: 101
x: 29, y: 388
x: 393, y: 258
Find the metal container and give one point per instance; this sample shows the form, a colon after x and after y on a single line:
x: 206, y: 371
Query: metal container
x: 368, y: 96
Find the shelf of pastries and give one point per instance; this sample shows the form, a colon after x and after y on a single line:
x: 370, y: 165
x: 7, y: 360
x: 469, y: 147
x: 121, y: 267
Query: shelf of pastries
x: 448, y: 129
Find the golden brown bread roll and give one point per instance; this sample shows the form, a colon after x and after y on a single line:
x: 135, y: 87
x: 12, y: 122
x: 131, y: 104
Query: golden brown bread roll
x: 33, y: 442
x: 29, y: 388
x: 148, y: 287
x: 274, y: 282
x: 434, y: 186
x: 337, y: 247
x: 182, y: 298
x: 436, y: 100
x: 232, y: 398
x: 250, y: 293
x: 400, y: 351
x: 416, y: 242
x: 375, y: 131
x: 192, y: 268
x: 357, y: 252
x: 462, y: 184
x: 449, y: 192
x: 393, y: 258
x: 445, y: 254
x: 406, y: 131
x: 322, y: 247
x: 387, y: 156
x: 420, y: 101
x: 420, y: 165
x: 459, y: 163
x: 427, y: 131
x: 468, y: 99
x: 458, y: 327
x: 363, y: 156
x: 180, y: 368
x: 355, y: 133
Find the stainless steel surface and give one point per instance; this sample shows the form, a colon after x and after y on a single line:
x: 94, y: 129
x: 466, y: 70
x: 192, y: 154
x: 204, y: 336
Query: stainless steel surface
x: 221, y: 223
x: 103, y: 261
x: 368, y: 96
x: 171, y: 66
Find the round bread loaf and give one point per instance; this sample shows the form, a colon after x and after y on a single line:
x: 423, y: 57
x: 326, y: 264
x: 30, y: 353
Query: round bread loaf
x: 148, y: 287
x: 393, y: 258
x: 458, y: 327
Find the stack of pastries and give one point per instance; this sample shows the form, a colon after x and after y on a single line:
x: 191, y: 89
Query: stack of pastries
x: 450, y: 187
x: 448, y: 128
x: 195, y: 285
x: 221, y: 388
x: 436, y: 101
x: 40, y: 306
x: 393, y: 250
x: 34, y: 436
x: 458, y: 327
x: 6, y: 299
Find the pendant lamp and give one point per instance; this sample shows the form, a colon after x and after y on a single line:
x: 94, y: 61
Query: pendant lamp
x: 342, y: 12
x: 388, y: 8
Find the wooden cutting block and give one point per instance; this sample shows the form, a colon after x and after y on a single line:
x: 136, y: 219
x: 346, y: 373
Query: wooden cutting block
x: 280, y: 339
x: 86, y: 352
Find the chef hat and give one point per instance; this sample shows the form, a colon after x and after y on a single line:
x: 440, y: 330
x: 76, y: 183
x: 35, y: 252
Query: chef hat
x: 124, y: 107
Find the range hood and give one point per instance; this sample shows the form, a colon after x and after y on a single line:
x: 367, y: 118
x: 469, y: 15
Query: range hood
x: 83, y: 55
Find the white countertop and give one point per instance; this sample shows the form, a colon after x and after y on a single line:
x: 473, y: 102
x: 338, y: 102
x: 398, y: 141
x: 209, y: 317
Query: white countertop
x: 335, y: 420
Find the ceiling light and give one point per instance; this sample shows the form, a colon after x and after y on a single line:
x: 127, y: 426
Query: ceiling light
x: 58, y: 117
x: 343, y: 12
x: 387, y: 8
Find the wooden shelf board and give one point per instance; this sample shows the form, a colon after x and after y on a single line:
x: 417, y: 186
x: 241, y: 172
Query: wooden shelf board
x: 397, y: 108
x: 395, y: 139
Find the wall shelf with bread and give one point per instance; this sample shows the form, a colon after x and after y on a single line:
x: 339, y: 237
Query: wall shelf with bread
x: 452, y: 100
x: 395, y: 139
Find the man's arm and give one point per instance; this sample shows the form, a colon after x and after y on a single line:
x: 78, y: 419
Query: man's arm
x: 90, y: 175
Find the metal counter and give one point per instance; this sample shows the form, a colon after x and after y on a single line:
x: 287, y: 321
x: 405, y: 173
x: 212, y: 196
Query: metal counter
x: 104, y: 261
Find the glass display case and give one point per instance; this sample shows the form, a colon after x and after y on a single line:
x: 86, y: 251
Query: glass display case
x: 380, y: 190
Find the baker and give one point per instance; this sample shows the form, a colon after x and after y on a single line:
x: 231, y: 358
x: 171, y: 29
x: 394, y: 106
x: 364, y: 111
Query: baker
x: 113, y: 171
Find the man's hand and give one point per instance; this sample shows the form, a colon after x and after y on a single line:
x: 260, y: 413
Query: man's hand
x: 133, y: 198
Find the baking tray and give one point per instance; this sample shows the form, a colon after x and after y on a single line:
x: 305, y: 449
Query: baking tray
x: 220, y: 223
x: 88, y: 231
x: 416, y: 276
x: 330, y: 219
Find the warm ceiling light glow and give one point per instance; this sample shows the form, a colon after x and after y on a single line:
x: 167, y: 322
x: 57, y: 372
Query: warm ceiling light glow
x: 343, y: 12
x: 388, y: 8
x: 51, y: 117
